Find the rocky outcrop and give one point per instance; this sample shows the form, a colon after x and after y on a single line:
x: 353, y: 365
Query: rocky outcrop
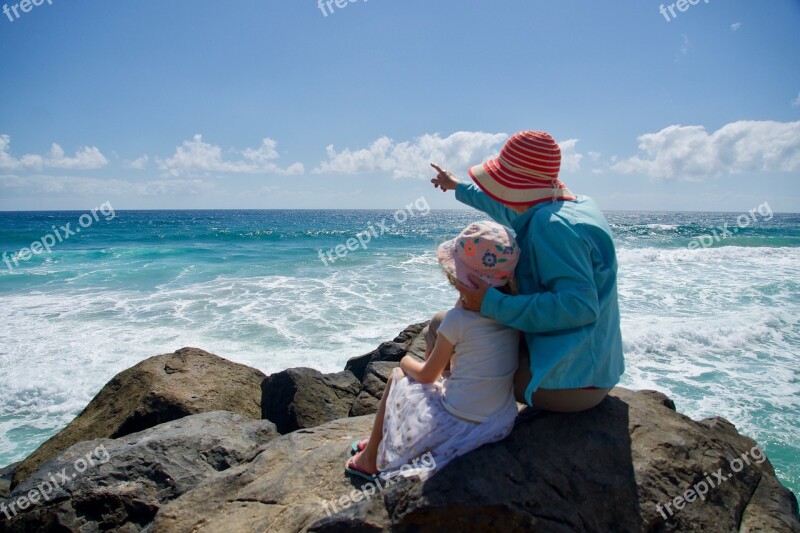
x: 283, y: 489
x: 374, y: 368
x: 619, y: 467
x: 157, y: 390
x: 5, y: 480
x: 125, y: 481
x: 631, y: 464
x: 300, y: 398
x: 408, y: 341
x: 375, y: 377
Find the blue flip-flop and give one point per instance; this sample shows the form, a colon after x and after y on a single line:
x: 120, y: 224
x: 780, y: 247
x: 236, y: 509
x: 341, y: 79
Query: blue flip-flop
x: 351, y: 468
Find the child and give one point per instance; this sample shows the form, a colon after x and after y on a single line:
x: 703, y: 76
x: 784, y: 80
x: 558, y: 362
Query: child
x: 428, y: 410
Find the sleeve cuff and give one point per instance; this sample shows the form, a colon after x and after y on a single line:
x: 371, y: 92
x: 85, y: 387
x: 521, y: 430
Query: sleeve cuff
x: 462, y: 190
x: 491, y: 302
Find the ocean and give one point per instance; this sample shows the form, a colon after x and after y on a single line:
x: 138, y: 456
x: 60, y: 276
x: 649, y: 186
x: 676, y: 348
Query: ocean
x: 710, y: 303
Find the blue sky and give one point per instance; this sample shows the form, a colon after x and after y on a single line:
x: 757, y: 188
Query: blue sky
x: 266, y: 104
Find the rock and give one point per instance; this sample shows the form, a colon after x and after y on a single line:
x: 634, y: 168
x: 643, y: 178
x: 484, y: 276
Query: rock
x: 660, y: 397
x: 375, y: 378
x: 379, y: 366
x: 5, y: 480
x: 157, y: 390
x: 282, y: 489
x: 126, y: 480
x: 394, y: 350
x: 303, y: 397
x: 607, y: 469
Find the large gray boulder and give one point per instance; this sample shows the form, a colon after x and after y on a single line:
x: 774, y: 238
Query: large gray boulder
x: 157, y: 390
x: 619, y: 467
x: 125, y: 481
x: 303, y: 397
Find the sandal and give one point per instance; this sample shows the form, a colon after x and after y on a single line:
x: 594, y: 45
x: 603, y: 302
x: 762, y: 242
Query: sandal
x: 351, y: 468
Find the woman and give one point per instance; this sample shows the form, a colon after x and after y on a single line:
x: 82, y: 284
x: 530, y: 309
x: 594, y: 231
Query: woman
x: 567, y: 274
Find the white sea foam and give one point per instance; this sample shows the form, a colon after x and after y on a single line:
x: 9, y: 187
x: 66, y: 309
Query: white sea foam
x: 717, y: 329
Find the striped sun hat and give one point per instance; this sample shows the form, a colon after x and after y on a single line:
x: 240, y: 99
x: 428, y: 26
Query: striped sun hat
x: 526, y: 172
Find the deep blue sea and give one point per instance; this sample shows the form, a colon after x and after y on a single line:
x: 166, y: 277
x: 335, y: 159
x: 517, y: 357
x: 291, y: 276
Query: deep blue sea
x: 715, y: 324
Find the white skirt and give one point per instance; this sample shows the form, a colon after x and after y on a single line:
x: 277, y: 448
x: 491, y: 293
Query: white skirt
x: 420, y: 435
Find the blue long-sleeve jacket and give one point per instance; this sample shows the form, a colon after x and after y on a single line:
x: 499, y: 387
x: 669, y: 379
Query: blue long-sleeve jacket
x: 567, y: 306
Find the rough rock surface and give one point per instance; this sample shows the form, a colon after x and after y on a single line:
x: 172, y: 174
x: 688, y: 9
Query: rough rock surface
x: 303, y: 397
x: 5, y: 480
x: 375, y: 378
x: 134, y: 475
x: 408, y: 341
x: 606, y: 469
x: 157, y: 390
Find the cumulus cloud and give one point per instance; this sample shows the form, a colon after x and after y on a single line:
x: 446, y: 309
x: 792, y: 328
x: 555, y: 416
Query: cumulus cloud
x: 413, y: 158
x: 139, y: 163
x: 406, y: 159
x: 196, y: 157
x: 691, y: 153
x: 796, y: 101
x: 570, y: 158
x: 85, y: 158
x: 735, y: 26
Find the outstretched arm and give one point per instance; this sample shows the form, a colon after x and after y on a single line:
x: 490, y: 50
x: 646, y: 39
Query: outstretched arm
x: 473, y: 196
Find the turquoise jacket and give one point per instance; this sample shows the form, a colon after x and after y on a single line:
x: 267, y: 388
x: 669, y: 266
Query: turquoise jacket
x: 567, y: 306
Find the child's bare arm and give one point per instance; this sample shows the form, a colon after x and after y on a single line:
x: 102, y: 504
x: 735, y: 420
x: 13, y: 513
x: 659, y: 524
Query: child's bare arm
x: 434, y: 365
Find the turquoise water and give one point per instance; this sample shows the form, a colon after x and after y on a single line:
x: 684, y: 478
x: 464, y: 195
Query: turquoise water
x: 716, y: 327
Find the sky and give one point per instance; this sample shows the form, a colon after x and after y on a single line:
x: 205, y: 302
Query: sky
x: 271, y: 104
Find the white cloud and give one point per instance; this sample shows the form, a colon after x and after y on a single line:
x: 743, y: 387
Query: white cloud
x: 139, y: 163
x: 691, y: 153
x: 85, y: 158
x: 413, y: 158
x: 61, y: 185
x: 570, y: 158
x: 796, y: 101
x: 735, y: 26
x: 197, y: 157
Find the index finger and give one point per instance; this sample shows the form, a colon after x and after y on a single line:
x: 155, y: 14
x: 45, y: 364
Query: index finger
x: 438, y: 168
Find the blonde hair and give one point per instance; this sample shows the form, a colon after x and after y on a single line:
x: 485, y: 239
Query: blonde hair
x: 510, y: 287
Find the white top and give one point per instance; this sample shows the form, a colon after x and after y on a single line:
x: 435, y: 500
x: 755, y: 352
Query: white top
x: 481, y: 380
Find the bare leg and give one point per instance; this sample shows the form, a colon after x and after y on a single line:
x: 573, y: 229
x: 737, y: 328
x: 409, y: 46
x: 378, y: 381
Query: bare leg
x: 557, y: 400
x: 367, y: 459
x: 568, y: 400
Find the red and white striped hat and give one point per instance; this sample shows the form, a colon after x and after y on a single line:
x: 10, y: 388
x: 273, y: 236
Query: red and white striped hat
x: 525, y: 173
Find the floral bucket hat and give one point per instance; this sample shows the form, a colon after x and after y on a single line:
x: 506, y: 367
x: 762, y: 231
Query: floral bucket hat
x: 485, y: 249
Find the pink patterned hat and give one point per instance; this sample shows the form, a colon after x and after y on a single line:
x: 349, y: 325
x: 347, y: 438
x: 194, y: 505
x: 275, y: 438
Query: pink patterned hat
x: 485, y: 249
